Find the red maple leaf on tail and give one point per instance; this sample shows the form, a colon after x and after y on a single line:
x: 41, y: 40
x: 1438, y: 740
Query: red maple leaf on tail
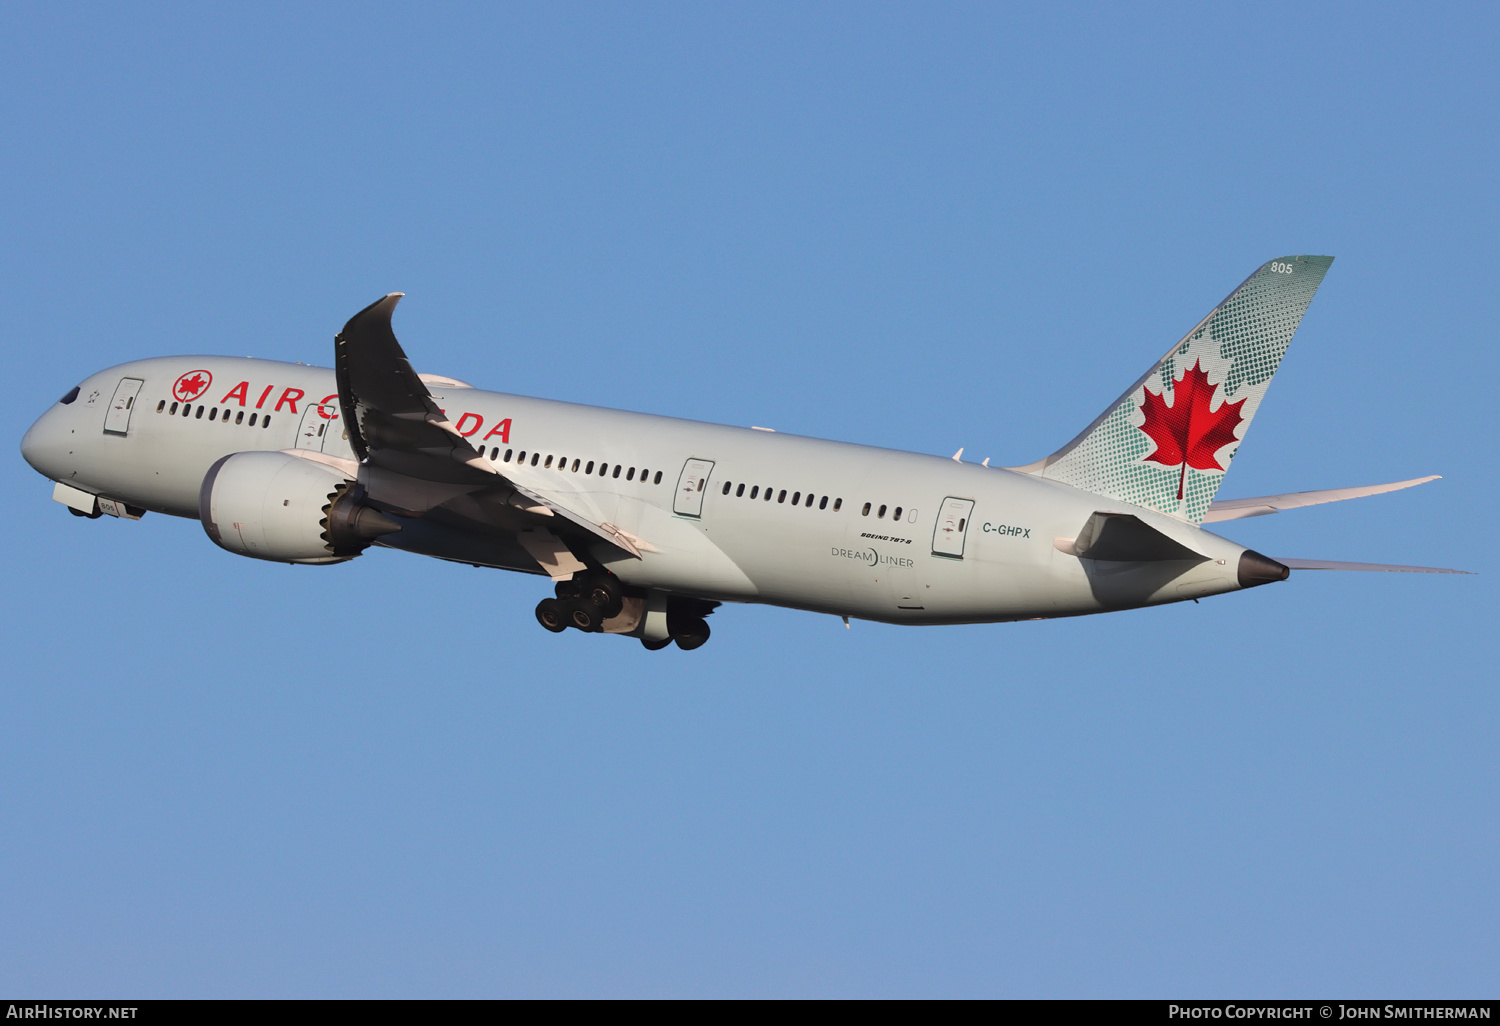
x: 1188, y: 433
x: 190, y: 387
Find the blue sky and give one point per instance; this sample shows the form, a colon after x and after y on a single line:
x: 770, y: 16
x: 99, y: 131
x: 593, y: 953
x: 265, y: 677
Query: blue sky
x: 919, y: 226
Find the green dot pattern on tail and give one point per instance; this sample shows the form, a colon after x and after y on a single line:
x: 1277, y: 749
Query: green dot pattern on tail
x: 1239, y: 344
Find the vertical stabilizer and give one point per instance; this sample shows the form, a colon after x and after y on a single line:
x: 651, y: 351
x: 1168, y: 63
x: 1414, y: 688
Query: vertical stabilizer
x: 1167, y: 442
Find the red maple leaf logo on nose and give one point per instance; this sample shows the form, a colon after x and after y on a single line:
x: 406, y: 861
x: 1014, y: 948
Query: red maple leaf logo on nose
x: 1188, y: 433
x: 191, y: 384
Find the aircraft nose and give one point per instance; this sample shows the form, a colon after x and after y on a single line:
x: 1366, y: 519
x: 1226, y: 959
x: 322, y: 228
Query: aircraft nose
x: 44, y: 443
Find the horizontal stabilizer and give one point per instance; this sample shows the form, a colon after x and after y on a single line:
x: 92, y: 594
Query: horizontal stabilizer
x: 1328, y: 564
x: 1238, y: 509
x: 1123, y: 538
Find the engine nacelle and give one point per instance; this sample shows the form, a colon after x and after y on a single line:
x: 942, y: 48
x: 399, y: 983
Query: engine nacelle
x: 276, y: 506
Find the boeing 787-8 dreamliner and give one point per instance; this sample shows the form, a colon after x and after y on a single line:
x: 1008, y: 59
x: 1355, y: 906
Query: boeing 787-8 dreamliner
x: 646, y: 524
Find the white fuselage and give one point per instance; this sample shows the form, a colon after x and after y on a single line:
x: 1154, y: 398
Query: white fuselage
x: 820, y: 525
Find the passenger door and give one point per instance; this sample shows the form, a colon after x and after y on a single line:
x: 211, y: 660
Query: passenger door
x: 117, y: 417
x: 952, y: 527
x: 688, y: 501
x: 310, y: 434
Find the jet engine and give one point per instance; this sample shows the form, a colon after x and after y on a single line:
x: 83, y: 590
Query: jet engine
x: 276, y: 506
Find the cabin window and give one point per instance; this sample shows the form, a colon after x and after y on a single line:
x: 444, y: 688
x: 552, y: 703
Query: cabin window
x: 161, y: 406
x: 796, y: 498
x: 782, y: 496
x: 252, y: 419
x: 604, y: 470
x: 808, y: 504
x: 548, y: 464
x: 173, y: 410
x: 896, y: 515
x: 727, y: 486
x: 739, y: 491
x: 755, y: 492
x: 657, y: 479
x: 590, y: 468
x: 508, y: 454
x: 535, y: 458
x: 618, y: 468
x: 824, y: 503
x: 881, y: 514
x: 575, y: 466
x: 866, y: 511
x: 239, y: 418
x: 837, y: 504
x: 265, y: 421
x: 213, y: 413
x: 631, y: 477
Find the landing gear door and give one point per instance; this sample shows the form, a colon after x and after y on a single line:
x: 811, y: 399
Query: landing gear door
x: 690, y: 488
x: 952, y: 526
x: 117, y: 417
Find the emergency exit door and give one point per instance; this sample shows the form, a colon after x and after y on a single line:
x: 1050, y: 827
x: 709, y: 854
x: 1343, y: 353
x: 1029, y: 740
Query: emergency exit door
x: 117, y: 417
x: 952, y: 527
x: 690, y: 485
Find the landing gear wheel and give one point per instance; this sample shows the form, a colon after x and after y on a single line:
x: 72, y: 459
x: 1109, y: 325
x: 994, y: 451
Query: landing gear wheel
x: 655, y: 646
x: 607, y: 597
x: 94, y: 515
x: 583, y: 617
x: 549, y: 613
x: 691, y: 634
x: 569, y: 591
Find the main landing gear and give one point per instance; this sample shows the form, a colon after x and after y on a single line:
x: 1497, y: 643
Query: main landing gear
x: 599, y: 603
x: 584, y: 602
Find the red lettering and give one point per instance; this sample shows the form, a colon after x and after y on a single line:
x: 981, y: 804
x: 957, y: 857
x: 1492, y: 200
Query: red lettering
x: 238, y: 390
x: 502, y: 429
x: 324, y: 406
x: 289, y: 396
x: 263, y: 395
x: 478, y: 423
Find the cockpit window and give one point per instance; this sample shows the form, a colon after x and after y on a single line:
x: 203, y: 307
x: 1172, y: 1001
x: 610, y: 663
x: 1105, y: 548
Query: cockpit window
x: 72, y: 394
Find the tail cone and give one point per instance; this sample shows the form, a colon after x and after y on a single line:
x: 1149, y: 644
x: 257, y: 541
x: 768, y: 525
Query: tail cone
x: 1256, y: 569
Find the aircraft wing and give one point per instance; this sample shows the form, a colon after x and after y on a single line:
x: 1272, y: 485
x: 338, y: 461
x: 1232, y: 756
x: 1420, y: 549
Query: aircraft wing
x: 1238, y: 509
x: 412, y: 459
